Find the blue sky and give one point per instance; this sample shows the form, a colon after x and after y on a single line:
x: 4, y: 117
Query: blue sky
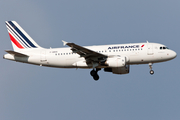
x: 32, y: 92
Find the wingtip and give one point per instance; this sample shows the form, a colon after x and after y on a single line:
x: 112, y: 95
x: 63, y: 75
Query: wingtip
x: 64, y: 42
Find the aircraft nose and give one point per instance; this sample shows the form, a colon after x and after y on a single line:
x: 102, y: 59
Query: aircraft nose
x: 173, y: 54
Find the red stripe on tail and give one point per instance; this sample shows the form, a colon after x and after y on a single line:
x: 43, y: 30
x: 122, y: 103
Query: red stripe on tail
x: 15, y: 42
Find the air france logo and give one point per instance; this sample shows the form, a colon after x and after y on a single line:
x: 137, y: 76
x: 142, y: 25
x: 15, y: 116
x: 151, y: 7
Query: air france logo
x: 142, y: 45
x: 124, y: 47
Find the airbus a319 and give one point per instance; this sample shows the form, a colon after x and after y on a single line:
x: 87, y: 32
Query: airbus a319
x: 115, y: 58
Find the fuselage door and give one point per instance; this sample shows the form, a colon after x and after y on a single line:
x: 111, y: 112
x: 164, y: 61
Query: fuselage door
x: 43, y: 56
x: 150, y: 49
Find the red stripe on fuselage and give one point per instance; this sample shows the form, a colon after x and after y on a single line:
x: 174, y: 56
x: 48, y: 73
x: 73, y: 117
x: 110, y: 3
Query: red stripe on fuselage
x: 15, y: 42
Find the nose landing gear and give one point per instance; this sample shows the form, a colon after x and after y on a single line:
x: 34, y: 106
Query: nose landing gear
x: 151, y: 71
x: 94, y: 74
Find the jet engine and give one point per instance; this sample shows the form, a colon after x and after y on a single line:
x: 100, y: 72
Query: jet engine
x: 118, y: 70
x: 117, y: 65
x: 116, y: 62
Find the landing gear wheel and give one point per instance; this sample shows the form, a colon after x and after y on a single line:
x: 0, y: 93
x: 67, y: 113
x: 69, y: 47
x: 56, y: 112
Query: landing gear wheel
x: 93, y: 72
x: 96, y: 77
x: 151, y: 72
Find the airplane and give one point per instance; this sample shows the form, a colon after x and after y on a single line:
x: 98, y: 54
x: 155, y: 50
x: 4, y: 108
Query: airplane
x: 115, y: 58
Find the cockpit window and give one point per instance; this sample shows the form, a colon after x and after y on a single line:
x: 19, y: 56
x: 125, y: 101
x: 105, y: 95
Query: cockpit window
x: 163, y: 48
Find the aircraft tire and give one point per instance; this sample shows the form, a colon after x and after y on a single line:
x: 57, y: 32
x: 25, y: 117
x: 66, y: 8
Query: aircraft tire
x: 96, y: 77
x: 93, y: 73
x: 151, y: 72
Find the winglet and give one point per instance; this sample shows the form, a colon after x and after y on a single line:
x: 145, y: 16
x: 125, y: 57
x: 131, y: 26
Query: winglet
x: 64, y: 42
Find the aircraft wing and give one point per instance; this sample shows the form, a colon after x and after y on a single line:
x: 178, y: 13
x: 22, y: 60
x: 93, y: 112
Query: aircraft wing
x: 84, y: 52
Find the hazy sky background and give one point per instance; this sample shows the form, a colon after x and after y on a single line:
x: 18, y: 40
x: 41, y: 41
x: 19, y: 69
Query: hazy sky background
x: 29, y: 92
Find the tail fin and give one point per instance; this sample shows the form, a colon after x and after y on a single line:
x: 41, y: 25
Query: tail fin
x: 19, y: 38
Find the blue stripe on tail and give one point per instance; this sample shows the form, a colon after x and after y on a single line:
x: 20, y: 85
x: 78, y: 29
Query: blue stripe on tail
x: 18, y: 37
x: 22, y: 35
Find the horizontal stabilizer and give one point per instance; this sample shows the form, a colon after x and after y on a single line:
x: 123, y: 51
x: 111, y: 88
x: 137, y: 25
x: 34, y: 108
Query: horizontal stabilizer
x: 16, y: 53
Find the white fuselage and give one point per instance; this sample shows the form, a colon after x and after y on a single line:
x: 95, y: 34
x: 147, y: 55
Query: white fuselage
x: 115, y: 58
x: 136, y: 53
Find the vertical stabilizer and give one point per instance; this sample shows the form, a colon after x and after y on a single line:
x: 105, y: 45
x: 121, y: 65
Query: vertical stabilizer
x: 19, y: 38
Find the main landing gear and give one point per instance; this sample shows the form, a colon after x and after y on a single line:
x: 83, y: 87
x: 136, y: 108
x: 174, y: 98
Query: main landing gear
x: 151, y: 71
x: 94, y: 74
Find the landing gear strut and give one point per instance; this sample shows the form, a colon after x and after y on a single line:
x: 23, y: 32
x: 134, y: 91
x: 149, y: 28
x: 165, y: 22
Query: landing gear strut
x: 151, y: 71
x: 94, y: 74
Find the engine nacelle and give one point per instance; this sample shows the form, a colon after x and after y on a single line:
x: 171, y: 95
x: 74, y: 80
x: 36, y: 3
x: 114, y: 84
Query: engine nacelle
x: 116, y: 62
x: 118, y: 70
